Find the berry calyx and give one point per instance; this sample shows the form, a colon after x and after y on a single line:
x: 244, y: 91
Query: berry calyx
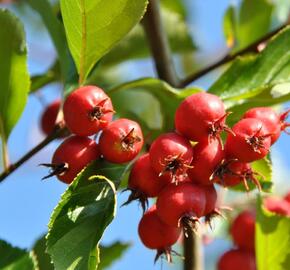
x: 143, y: 182
x: 201, y: 116
x: 243, y: 230
x: 181, y: 205
x: 207, y: 156
x: 121, y: 141
x: 87, y: 110
x: 232, y: 172
x: 155, y: 234
x: 48, y: 118
x: 171, y: 155
x: 237, y: 259
x: 273, y: 122
x: 71, y: 157
x: 251, y: 141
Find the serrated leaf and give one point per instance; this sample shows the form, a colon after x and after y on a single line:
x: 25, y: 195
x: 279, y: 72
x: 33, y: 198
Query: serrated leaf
x: 13, y: 258
x: 229, y: 22
x: 41, y: 258
x: 94, y: 27
x: 248, y: 77
x: 14, y: 77
x: 83, y: 213
x: 168, y: 97
x: 109, y: 254
x: 255, y: 18
x: 272, y: 240
x: 132, y: 47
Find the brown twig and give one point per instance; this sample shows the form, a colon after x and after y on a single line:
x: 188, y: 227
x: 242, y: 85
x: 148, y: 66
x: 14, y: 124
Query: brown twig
x: 159, y: 45
x: 229, y: 57
x: 54, y: 135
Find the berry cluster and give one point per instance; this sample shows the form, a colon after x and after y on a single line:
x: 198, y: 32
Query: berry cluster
x: 182, y: 166
x: 243, y: 234
x: 89, y: 111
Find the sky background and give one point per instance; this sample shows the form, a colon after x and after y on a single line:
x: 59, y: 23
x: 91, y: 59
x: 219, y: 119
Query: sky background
x: 26, y: 202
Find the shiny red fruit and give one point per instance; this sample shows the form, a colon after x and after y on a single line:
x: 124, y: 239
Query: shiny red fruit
x: 49, y: 116
x: 251, y: 141
x: 72, y: 156
x: 143, y: 181
x: 200, y: 116
x: 211, y: 199
x: 121, y: 141
x: 237, y: 259
x: 87, y: 110
x: 243, y: 230
x: 154, y: 233
x: 208, y: 154
x: 231, y: 173
x: 171, y: 154
x: 270, y: 119
x: 180, y: 204
x: 287, y: 197
x: 277, y: 205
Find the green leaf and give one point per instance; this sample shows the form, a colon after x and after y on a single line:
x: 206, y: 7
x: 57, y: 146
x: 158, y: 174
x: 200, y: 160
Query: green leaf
x: 168, y: 98
x: 41, y: 80
x: 229, y: 22
x: 41, y: 258
x: 177, y: 6
x: 94, y: 27
x: 83, y: 213
x: 250, y: 76
x: 272, y: 240
x: 255, y: 18
x: 134, y: 45
x: 56, y: 31
x: 13, y: 258
x: 109, y: 254
x: 14, y: 77
x: 248, y: 23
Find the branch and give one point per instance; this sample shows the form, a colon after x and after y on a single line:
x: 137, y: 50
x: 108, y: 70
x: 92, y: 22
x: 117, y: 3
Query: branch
x: 58, y: 132
x: 158, y: 42
x: 229, y: 57
x: 193, y: 255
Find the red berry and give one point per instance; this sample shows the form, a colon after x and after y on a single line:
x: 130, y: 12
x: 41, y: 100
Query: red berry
x: 87, y: 110
x: 200, y: 116
x: 211, y: 200
x: 207, y: 155
x: 273, y: 122
x: 237, y: 259
x: 121, y: 141
x: 287, y: 197
x: 181, y: 205
x: 155, y: 234
x: 277, y: 206
x: 270, y: 119
x: 232, y: 172
x: 243, y: 230
x: 71, y: 157
x: 171, y: 154
x: 49, y: 116
x: 144, y: 182
x: 251, y: 141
